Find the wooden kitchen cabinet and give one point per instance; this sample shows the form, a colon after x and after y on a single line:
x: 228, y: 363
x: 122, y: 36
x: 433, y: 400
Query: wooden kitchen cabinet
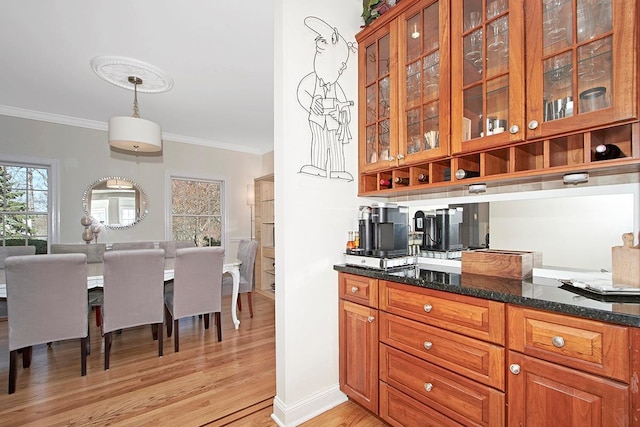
x: 533, y: 87
x: 358, y: 342
x: 557, y: 362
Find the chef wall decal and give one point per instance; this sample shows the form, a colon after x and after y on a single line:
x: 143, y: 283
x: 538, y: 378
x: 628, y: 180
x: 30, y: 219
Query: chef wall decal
x: 322, y: 97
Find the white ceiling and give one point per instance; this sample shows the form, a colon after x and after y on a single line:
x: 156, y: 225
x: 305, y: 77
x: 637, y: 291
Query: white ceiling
x: 219, y: 54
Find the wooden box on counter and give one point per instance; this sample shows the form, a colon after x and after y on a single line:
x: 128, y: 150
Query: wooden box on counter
x: 500, y: 263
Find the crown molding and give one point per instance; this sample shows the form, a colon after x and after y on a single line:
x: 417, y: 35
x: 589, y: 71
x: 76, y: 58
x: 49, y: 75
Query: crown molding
x: 102, y: 126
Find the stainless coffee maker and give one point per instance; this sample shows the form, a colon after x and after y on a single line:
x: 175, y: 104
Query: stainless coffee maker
x: 440, y: 229
x: 384, y: 230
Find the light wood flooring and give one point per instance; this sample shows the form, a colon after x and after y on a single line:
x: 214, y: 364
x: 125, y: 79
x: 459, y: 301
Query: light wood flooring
x: 228, y: 383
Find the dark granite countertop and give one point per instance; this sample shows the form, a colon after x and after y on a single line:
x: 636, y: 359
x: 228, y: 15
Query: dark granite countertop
x: 538, y: 292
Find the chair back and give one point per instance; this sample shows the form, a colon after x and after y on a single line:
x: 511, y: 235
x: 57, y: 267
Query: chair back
x: 171, y: 246
x: 197, y: 282
x: 247, y: 254
x: 7, y: 251
x: 46, y: 298
x: 133, y: 288
x: 127, y: 246
x: 93, y: 252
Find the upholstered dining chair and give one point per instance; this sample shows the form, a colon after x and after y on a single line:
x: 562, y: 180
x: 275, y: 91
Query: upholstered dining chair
x: 171, y: 246
x: 127, y: 246
x: 7, y: 251
x: 196, y: 288
x: 94, y: 253
x: 247, y: 254
x: 35, y: 284
x: 133, y: 293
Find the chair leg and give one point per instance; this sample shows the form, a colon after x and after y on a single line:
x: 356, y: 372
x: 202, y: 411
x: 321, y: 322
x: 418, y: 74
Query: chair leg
x: 98, y: 315
x: 168, y: 321
x: 250, y: 304
x: 176, y: 336
x: 154, y: 331
x: 218, y: 325
x: 88, y: 343
x: 239, y: 303
x: 107, y: 349
x: 83, y: 357
x: 26, y: 356
x: 160, y: 342
x: 13, y: 370
x: 206, y: 321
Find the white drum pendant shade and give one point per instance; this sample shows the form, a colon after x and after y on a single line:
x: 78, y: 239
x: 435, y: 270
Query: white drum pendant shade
x: 135, y: 134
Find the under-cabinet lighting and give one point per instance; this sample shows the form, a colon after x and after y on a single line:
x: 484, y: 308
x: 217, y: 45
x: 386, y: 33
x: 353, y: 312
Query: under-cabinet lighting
x: 575, y: 178
x: 477, y: 188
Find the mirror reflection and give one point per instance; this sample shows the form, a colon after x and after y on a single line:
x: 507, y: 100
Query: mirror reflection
x: 115, y: 202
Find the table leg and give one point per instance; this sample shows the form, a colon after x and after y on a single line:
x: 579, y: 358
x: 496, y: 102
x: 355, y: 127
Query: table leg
x: 235, y: 274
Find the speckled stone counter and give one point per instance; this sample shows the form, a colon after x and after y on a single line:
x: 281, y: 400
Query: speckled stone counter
x: 539, y: 292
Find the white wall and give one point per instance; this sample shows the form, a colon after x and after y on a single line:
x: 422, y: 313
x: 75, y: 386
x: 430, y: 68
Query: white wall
x: 313, y: 216
x: 85, y: 156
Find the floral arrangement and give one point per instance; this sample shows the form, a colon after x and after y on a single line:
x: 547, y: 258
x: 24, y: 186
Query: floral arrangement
x: 372, y: 9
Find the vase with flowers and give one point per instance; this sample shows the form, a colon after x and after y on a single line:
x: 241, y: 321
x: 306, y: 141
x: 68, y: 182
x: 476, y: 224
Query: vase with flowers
x: 372, y: 9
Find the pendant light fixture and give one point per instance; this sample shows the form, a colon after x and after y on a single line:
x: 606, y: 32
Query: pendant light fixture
x: 133, y: 133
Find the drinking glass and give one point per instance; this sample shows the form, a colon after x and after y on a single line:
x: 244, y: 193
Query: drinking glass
x: 499, y: 26
x: 554, y: 30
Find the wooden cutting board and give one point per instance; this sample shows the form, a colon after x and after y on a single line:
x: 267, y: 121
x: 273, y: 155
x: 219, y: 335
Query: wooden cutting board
x: 625, y: 262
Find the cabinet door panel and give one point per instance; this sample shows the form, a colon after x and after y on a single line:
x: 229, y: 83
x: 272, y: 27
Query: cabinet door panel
x: 545, y: 394
x: 359, y: 354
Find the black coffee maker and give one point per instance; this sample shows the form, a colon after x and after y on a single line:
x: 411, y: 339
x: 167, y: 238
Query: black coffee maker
x: 440, y: 228
x: 384, y: 230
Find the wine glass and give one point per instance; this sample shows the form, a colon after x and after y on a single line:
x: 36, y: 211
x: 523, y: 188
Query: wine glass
x: 553, y: 9
x: 586, y: 25
x: 499, y: 26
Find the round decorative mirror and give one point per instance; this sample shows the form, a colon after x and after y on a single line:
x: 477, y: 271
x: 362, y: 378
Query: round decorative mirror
x: 115, y: 202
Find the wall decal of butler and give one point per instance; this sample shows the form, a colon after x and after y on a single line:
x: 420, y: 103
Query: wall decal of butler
x: 320, y: 94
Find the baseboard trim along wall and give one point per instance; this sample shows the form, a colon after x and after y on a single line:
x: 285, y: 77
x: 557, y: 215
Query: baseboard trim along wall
x: 298, y: 412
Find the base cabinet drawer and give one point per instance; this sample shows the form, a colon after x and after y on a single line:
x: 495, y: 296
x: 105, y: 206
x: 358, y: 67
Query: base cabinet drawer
x: 399, y: 410
x: 453, y: 395
x: 469, y: 357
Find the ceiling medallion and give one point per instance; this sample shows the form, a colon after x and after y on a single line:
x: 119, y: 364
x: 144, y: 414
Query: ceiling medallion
x: 117, y: 69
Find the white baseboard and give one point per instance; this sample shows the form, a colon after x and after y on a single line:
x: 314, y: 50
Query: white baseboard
x: 298, y: 412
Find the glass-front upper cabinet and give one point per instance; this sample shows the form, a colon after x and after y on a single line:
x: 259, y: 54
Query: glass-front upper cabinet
x: 424, y: 82
x: 580, y: 64
x: 487, y: 84
x: 377, y: 97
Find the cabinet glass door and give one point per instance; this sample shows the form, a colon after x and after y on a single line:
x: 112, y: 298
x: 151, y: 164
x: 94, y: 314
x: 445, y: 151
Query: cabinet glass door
x: 375, y: 59
x: 487, y: 76
x: 577, y: 68
x: 424, y: 84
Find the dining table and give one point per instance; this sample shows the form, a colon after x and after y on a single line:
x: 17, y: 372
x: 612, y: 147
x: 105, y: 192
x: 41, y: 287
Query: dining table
x: 95, y: 280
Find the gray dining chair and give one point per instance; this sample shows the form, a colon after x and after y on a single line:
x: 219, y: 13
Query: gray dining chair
x: 47, y: 301
x: 247, y: 254
x: 171, y: 246
x: 196, y: 289
x: 127, y: 246
x: 7, y: 251
x: 94, y: 253
x: 133, y: 293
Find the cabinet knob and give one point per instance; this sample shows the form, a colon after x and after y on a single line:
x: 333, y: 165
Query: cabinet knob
x: 391, y: 158
x: 400, y: 156
x: 514, y: 129
x: 558, y: 342
x: 428, y: 387
x: 514, y: 368
x: 354, y: 289
x: 371, y: 319
x: 428, y: 308
x: 533, y: 124
x: 428, y: 345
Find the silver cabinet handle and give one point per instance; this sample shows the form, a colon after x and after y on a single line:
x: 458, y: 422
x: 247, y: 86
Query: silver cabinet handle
x: 391, y: 158
x: 428, y: 387
x: 514, y: 368
x: 514, y: 129
x: 428, y: 345
x: 533, y: 124
x: 428, y: 308
x: 558, y: 342
x: 400, y: 156
x: 354, y: 289
x: 371, y: 319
